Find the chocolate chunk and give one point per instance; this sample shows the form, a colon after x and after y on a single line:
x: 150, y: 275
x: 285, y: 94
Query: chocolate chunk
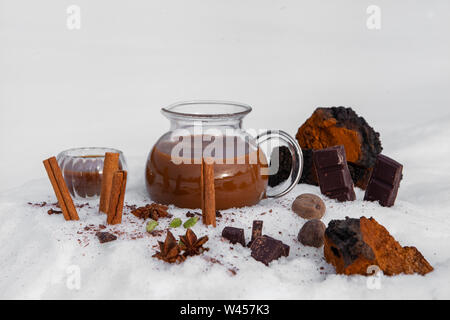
x: 105, y: 237
x: 53, y: 211
x: 328, y: 127
x: 234, y: 235
x: 353, y: 245
x: 256, y: 230
x: 286, y: 248
x: 332, y: 173
x: 190, y: 214
x: 384, y: 182
x: 266, y: 249
x: 284, y: 165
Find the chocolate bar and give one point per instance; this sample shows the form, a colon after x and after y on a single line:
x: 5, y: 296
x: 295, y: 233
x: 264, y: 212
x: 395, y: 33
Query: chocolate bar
x: 333, y: 175
x: 256, y: 230
x: 384, y: 181
x: 234, y: 235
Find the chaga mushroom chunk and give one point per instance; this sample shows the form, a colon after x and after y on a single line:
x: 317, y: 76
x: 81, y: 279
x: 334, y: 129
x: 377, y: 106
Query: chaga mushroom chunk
x: 352, y: 245
x: 328, y: 127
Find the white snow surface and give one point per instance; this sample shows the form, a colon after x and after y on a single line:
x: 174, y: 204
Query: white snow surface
x: 103, y: 85
x: 38, y: 249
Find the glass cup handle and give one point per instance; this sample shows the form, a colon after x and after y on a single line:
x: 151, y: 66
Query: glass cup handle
x: 284, y: 139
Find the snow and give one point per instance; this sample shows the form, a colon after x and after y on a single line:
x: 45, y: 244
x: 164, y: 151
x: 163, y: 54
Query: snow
x: 103, y: 85
x: 38, y: 249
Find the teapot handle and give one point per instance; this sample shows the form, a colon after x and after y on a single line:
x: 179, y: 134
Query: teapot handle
x: 284, y: 139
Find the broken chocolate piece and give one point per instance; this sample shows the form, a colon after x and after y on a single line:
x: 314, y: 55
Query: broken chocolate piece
x: 105, y: 237
x: 352, y: 245
x: 328, y: 127
x: 256, y: 230
x: 190, y: 214
x: 332, y: 173
x: 286, y: 248
x: 234, y: 235
x: 267, y: 249
x: 384, y: 182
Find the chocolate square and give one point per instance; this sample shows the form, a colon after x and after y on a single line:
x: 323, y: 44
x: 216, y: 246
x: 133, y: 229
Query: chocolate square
x: 234, y: 235
x: 333, y: 175
x: 384, y: 181
x: 342, y: 195
x: 379, y: 191
x: 333, y: 180
x: 286, y: 248
x: 331, y: 158
x: 387, y: 170
x: 266, y: 249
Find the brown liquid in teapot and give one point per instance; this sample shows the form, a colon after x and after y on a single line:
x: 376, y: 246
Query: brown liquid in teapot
x: 238, y: 180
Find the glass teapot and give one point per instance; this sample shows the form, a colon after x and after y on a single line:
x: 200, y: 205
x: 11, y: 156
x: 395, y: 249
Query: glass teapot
x: 213, y: 130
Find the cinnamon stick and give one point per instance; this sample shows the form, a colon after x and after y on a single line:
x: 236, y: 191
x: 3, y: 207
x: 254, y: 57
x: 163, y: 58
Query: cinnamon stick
x: 208, y: 194
x: 117, y: 196
x: 110, y: 166
x: 60, y: 188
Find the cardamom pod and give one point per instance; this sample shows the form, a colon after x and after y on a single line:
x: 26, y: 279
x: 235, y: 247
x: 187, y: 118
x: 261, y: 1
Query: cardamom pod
x: 152, y: 224
x: 190, y: 222
x: 175, y: 223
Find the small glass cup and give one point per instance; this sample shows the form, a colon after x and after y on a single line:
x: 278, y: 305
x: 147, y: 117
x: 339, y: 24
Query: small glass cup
x: 82, y: 169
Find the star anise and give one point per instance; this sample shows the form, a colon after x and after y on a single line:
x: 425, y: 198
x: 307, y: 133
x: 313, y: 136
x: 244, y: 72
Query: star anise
x: 170, y: 250
x: 154, y: 211
x: 191, y: 245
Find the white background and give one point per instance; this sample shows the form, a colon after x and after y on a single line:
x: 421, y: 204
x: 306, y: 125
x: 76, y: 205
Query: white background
x: 103, y: 85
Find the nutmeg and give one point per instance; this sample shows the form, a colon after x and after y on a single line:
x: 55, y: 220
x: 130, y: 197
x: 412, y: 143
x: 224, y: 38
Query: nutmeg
x: 312, y: 233
x: 309, y: 206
